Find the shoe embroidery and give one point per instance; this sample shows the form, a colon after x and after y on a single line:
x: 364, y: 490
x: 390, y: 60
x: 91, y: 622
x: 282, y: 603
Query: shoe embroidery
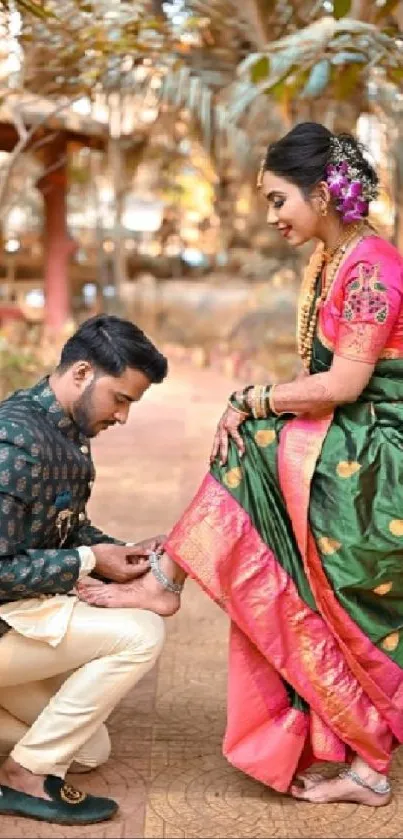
x: 71, y: 795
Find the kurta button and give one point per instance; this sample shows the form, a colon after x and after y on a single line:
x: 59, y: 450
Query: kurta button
x: 81, y: 517
x: 84, y: 449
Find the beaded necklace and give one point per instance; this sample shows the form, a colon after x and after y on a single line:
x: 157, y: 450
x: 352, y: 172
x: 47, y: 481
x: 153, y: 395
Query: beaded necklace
x: 312, y: 300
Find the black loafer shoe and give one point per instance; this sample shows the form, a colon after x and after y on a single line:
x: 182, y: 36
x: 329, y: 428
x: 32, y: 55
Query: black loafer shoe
x: 67, y: 805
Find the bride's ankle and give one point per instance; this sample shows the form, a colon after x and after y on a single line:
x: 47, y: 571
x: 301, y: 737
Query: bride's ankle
x: 172, y: 570
x: 369, y: 775
x: 167, y: 573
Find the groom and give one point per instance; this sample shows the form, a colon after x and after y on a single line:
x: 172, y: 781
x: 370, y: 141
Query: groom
x: 80, y: 659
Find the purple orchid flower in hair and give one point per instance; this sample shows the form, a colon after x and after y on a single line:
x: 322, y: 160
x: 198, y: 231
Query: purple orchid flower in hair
x: 357, y: 212
x: 336, y: 179
x: 351, y: 193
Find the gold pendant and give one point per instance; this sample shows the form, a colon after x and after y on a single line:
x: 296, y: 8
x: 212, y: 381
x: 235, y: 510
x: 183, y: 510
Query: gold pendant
x: 63, y: 523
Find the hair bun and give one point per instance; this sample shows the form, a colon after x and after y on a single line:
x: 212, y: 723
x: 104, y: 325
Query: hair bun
x: 352, y: 181
x: 346, y: 148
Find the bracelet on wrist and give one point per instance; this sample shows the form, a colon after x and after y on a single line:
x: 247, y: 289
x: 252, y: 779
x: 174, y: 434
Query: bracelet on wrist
x: 234, y: 407
x: 272, y: 404
x: 238, y: 401
x: 256, y: 401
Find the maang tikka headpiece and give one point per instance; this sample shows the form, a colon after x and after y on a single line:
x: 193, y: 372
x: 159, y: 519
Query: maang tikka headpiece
x: 351, y: 189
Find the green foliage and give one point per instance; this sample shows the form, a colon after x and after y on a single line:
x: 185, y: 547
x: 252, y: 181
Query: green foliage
x: 76, y: 47
x: 260, y: 70
x: 341, y: 8
x: 348, y: 44
x: 32, y: 7
x: 19, y: 369
x: 318, y: 79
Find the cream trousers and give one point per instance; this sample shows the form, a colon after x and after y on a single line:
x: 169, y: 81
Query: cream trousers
x: 21, y: 705
x: 109, y: 651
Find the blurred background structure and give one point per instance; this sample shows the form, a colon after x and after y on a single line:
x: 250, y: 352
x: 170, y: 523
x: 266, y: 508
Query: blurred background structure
x: 131, y: 133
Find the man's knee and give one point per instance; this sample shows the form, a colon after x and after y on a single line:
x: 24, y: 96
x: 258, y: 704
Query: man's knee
x: 145, y: 632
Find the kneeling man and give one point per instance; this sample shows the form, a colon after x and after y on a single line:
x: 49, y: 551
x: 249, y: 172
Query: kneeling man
x: 64, y: 665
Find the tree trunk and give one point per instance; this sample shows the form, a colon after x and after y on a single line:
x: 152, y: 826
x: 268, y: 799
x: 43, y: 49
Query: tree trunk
x: 226, y: 194
x: 116, y: 165
x: 257, y: 18
x: 361, y: 10
x: 57, y: 244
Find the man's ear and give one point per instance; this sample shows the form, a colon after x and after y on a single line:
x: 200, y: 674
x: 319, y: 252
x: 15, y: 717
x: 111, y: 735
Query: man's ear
x: 82, y: 373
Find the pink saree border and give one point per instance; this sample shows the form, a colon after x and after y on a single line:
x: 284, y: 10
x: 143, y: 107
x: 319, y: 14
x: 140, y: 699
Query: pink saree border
x: 274, y: 633
x: 382, y: 679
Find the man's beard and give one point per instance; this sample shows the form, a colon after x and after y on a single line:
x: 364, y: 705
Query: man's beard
x: 83, y: 411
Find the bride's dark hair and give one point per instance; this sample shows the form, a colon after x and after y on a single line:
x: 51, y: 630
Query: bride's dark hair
x: 303, y: 155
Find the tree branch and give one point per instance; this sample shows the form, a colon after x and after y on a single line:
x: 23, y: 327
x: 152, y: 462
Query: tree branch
x: 258, y: 21
x: 22, y: 144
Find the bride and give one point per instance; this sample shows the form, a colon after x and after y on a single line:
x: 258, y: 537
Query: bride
x: 296, y: 530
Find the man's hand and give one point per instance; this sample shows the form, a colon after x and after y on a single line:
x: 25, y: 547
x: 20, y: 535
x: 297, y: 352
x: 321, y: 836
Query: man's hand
x: 120, y: 563
x: 154, y: 543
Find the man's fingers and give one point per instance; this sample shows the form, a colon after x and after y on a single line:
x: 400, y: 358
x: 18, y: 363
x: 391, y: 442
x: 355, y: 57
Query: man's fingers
x: 137, y: 552
x: 136, y: 570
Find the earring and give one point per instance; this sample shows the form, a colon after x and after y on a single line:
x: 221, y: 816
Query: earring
x: 323, y: 209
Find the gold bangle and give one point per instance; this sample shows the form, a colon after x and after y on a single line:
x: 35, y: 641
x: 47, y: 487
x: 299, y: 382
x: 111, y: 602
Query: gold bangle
x: 271, y: 402
x: 256, y: 410
x: 238, y: 410
x: 252, y: 401
x: 262, y: 402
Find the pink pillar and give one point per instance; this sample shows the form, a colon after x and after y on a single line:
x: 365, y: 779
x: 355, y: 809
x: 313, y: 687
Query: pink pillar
x: 57, y: 244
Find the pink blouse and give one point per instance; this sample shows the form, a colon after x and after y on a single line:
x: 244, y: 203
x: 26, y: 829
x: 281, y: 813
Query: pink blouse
x: 362, y: 318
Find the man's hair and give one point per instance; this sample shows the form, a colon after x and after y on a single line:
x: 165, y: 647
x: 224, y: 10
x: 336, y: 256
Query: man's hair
x: 111, y: 344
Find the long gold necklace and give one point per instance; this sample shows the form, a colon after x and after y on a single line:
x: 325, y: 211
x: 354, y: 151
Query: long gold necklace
x: 312, y: 301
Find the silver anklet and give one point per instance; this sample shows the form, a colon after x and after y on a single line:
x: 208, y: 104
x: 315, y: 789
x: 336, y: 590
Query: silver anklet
x: 169, y: 585
x: 381, y: 788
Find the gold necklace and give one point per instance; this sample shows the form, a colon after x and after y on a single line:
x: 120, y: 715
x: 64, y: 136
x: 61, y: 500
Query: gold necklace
x: 312, y: 301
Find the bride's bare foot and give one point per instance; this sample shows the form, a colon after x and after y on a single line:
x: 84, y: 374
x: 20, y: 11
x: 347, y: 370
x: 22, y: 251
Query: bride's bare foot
x: 307, y: 780
x: 15, y: 776
x: 144, y: 593
x: 345, y: 788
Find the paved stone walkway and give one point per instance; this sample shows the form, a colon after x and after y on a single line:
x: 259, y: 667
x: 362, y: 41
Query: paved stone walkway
x: 166, y: 770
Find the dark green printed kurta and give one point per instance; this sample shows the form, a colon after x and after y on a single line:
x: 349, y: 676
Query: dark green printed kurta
x: 46, y: 476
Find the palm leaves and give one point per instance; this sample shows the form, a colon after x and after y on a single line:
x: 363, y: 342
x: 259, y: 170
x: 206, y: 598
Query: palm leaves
x: 316, y: 58
x: 287, y: 49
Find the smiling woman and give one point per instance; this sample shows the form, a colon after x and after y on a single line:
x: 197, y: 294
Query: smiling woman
x: 296, y: 531
x: 299, y: 180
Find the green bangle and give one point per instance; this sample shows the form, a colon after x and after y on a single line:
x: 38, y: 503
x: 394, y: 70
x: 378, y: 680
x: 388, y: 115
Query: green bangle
x: 239, y: 404
x: 269, y: 410
x: 245, y: 394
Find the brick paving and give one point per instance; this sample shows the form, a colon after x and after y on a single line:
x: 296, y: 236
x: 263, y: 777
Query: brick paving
x: 166, y: 769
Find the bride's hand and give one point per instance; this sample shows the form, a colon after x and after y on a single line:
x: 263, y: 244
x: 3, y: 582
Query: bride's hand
x: 228, y: 427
